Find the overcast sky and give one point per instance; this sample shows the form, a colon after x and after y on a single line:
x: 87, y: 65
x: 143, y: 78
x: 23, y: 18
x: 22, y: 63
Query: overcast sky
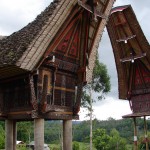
x: 15, y: 14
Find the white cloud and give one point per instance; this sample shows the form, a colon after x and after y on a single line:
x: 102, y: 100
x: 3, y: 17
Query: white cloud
x: 110, y: 107
x: 15, y: 14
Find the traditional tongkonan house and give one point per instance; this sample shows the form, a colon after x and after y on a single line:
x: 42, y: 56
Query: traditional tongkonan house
x: 43, y: 66
x: 132, y: 56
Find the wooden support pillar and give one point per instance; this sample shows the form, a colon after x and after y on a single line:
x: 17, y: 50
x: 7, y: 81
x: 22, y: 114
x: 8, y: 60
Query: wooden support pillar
x: 145, y: 130
x: 10, y: 135
x: 67, y: 134
x: 39, y: 134
x: 14, y: 135
x: 135, y: 134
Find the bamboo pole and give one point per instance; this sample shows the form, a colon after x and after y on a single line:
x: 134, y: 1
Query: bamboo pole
x: 135, y: 135
x: 91, y: 113
x: 145, y: 130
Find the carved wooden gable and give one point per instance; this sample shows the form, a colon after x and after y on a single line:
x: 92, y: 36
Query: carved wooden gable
x: 131, y: 51
x: 67, y: 59
x: 73, y: 42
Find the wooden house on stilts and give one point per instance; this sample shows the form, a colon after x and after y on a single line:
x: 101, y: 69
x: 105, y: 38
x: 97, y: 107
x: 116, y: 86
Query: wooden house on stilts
x: 132, y: 56
x: 43, y: 66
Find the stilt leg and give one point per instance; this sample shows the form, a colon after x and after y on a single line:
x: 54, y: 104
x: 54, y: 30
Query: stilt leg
x: 10, y: 135
x: 135, y: 135
x: 67, y: 134
x: 39, y: 134
x: 145, y: 129
x: 14, y: 135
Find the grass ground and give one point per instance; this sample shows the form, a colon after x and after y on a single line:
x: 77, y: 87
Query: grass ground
x: 82, y: 146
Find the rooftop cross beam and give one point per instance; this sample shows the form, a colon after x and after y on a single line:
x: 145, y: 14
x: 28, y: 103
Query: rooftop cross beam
x: 92, y: 8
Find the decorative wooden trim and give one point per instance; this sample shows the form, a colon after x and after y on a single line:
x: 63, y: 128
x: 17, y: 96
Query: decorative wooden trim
x: 33, y: 97
x: 132, y: 58
x: 77, y: 104
x: 43, y: 101
x: 56, y: 108
x: 64, y: 89
x: 126, y: 39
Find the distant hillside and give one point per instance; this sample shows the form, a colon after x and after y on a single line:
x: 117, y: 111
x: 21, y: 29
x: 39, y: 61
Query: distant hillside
x: 81, y: 129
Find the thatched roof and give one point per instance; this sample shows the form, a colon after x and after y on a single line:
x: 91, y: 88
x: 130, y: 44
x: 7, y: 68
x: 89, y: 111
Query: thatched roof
x: 24, y: 49
x: 129, y: 44
x: 12, y: 47
x: 2, y: 37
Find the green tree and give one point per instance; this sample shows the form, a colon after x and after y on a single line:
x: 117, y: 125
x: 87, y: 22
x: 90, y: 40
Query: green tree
x: 2, y: 137
x: 116, y: 142
x: 142, y: 142
x: 101, y: 139
x: 76, y: 145
x: 25, y: 131
x: 100, y: 84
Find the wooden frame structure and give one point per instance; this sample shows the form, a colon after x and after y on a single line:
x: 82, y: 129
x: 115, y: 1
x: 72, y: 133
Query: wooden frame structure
x: 43, y: 66
x: 132, y: 56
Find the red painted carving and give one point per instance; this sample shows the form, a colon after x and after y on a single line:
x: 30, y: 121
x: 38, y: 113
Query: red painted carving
x: 69, y: 43
x: 74, y: 46
x: 63, y: 46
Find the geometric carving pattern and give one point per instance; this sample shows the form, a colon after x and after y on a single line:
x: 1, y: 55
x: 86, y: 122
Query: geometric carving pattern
x: 69, y: 44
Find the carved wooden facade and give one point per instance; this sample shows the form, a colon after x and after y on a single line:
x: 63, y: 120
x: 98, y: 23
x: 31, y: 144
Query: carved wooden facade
x: 132, y: 56
x: 43, y: 66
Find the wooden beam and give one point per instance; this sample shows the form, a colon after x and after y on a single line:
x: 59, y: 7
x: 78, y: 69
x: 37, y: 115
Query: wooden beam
x: 44, y: 94
x: 59, y: 109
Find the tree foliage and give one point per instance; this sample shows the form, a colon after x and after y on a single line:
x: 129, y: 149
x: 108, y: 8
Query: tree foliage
x: 100, y: 84
x: 105, y: 141
x: 101, y: 80
x: 116, y: 142
x: 75, y: 145
x: 2, y: 137
x: 101, y: 139
x: 25, y: 131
